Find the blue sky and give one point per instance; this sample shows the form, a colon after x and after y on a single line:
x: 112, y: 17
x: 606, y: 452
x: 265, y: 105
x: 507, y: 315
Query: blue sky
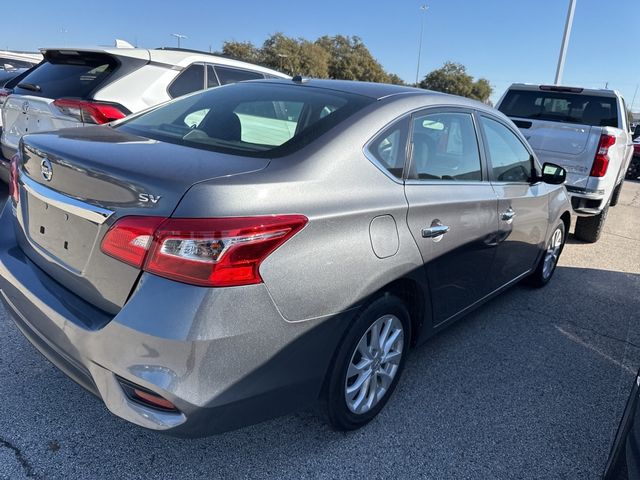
x: 504, y: 41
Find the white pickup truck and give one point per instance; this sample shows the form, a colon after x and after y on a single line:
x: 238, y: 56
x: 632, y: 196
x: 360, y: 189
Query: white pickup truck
x: 585, y: 131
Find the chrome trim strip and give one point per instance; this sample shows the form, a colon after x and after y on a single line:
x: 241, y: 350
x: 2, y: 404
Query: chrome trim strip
x: 76, y: 207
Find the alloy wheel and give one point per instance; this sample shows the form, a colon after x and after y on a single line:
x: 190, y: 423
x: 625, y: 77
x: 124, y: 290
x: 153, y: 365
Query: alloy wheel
x: 552, y: 253
x: 374, y: 364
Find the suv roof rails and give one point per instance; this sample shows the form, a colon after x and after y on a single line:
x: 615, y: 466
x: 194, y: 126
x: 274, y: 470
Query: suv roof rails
x: 190, y: 50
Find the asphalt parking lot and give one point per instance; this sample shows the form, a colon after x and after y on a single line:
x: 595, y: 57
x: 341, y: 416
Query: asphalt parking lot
x: 532, y: 385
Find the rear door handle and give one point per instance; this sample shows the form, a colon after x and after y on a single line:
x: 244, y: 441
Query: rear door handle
x: 435, y: 231
x: 508, y: 215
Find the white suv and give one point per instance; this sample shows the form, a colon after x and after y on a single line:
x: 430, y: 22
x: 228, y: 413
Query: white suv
x: 74, y: 87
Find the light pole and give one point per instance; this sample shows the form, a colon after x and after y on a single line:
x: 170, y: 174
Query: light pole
x: 179, y: 37
x: 423, y: 9
x: 282, y: 56
x: 565, y: 41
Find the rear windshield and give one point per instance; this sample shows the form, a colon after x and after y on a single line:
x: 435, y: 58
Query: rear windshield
x: 561, y: 107
x: 72, y: 74
x: 250, y: 119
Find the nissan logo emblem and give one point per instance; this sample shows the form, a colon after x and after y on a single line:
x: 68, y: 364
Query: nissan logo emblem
x: 46, y: 169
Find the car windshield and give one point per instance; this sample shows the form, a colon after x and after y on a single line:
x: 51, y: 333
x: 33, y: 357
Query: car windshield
x: 566, y: 107
x: 251, y: 119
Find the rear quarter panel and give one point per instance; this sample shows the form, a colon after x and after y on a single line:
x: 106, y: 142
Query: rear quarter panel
x: 330, y: 265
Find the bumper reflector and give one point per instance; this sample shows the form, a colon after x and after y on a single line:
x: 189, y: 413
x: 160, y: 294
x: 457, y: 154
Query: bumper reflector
x: 146, y: 397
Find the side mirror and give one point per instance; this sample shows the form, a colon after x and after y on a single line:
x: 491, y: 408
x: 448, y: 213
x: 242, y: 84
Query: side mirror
x: 636, y: 132
x: 553, y: 174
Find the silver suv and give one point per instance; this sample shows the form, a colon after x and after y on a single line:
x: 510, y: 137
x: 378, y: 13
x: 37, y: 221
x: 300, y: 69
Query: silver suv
x: 243, y: 251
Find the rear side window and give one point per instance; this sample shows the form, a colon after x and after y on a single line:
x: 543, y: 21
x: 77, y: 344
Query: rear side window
x: 510, y: 160
x: 212, y: 80
x: 563, y: 107
x: 249, y: 119
x: 191, y: 79
x: 232, y: 75
x: 75, y: 75
x: 389, y: 147
x: 444, y: 147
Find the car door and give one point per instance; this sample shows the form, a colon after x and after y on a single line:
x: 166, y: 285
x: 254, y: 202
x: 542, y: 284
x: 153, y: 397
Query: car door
x: 452, y: 208
x: 523, y: 211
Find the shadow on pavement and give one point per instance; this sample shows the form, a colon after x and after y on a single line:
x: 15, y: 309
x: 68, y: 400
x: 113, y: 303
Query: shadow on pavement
x: 530, y: 385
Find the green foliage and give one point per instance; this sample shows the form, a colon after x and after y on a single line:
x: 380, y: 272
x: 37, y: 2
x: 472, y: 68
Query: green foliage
x: 453, y: 78
x: 242, y: 51
x: 340, y: 57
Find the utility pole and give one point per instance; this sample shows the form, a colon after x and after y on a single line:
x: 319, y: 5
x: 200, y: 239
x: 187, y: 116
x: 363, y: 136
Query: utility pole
x: 634, y: 98
x: 565, y: 41
x: 423, y: 10
x: 179, y: 37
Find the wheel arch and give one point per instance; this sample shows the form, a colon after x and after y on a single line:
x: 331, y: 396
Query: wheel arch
x: 411, y: 293
x: 566, y: 218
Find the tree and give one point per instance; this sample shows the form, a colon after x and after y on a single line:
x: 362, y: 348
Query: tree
x: 350, y: 59
x: 340, y: 57
x: 244, y: 51
x: 453, y: 78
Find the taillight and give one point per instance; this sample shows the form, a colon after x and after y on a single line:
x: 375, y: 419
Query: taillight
x: 4, y: 93
x: 89, y: 112
x: 601, y: 162
x: 130, y: 238
x: 14, y: 188
x: 212, y: 252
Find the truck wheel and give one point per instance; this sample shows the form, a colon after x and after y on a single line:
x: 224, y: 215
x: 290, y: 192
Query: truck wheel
x: 589, y: 229
x: 633, y: 173
x: 616, y: 195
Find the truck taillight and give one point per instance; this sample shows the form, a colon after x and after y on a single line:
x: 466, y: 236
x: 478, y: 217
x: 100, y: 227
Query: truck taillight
x: 601, y: 162
x: 14, y: 185
x: 89, y: 112
x: 211, y: 252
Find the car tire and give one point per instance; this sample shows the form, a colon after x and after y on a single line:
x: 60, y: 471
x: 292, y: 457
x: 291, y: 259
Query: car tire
x: 589, y: 229
x: 549, y: 260
x: 616, y: 195
x: 352, y: 400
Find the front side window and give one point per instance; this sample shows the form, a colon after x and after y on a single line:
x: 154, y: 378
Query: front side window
x: 191, y: 79
x: 389, y: 147
x: 232, y: 75
x: 510, y: 160
x: 445, y: 147
x: 251, y: 119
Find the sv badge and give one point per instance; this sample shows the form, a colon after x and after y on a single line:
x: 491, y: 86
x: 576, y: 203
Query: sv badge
x: 148, y: 198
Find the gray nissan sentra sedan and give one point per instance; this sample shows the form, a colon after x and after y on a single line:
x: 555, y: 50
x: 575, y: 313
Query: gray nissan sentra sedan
x: 244, y: 251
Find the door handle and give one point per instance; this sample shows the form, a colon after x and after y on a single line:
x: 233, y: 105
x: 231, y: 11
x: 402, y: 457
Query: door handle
x: 508, y: 215
x: 435, y: 231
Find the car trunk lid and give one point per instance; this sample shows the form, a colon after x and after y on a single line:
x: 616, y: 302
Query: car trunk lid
x: 77, y: 182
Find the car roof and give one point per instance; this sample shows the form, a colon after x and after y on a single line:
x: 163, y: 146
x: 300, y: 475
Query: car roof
x: 367, y: 89
x: 171, y: 56
x: 380, y: 91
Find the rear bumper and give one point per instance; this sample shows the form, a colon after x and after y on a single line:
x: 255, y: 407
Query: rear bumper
x: 7, y: 152
x: 225, y: 357
x: 585, y: 202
